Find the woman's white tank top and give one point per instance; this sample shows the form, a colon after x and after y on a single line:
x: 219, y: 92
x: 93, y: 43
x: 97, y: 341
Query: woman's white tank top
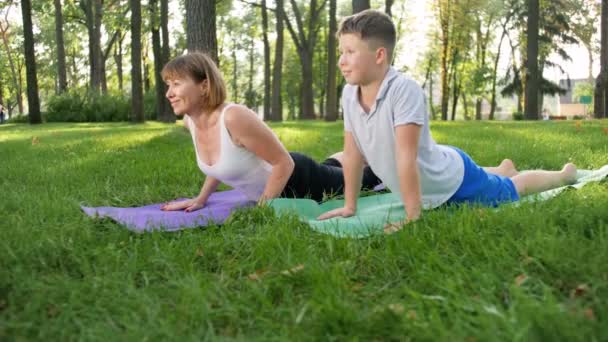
x: 237, y: 167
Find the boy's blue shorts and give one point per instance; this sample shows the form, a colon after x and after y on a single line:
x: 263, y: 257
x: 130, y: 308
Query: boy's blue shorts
x: 479, y: 186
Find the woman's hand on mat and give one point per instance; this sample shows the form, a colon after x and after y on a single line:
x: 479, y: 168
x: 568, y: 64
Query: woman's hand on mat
x: 186, y: 205
x: 340, y: 212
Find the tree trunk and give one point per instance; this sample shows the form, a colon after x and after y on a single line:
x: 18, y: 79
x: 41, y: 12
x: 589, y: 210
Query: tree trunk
x: 137, y: 105
x: 266, y: 61
x: 277, y: 102
x: 93, y: 15
x: 478, y: 104
x: 331, y: 109
x: 118, y: 61
x: 305, y: 45
x: 532, y: 75
x: 590, y: 61
x: 444, y: 16
x: 200, y: 27
x: 33, y: 101
x: 388, y: 6
x: 360, y: 5
x: 235, y: 75
x: 15, y: 71
x: 307, y: 106
x: 62, y: 85
x: 164, y: 26
x: 601, y: 85
x: 250, y: 100
x: 495, y: 74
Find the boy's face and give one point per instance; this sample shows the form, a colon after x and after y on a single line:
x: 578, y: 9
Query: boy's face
x: 359, y: 62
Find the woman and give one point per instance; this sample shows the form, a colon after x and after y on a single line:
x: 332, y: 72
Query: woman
x: 234, y: 146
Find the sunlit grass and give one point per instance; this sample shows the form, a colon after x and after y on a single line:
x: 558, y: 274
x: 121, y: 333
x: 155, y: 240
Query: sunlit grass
x: 533, y: 272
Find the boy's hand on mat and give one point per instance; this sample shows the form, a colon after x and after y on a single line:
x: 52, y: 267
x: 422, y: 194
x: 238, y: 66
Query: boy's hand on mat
x: 186, y: 205
x: 340, y: 212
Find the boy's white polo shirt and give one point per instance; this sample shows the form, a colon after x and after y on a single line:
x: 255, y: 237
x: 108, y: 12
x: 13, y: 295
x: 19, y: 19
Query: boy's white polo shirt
x: 401, y: 101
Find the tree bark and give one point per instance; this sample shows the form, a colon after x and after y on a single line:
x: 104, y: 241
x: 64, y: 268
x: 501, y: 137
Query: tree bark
x: 137, y: 106
x: 601, y: 86
x: 62, y: 85
x: 15, y: 71
x: 305, y: 43
x: 118, y: 61
x: 360, y: 5
x: 33, y: 100
x: 532, y: 75
x: 264, y: 11
x: 277, y: 70
x: 495, y: 73
x: 388, y: 7
x: 200, y: 27
x: 331, y: 106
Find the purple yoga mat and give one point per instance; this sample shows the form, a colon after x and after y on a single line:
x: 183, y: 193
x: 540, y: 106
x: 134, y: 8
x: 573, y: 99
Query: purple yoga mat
x: 150, y: 217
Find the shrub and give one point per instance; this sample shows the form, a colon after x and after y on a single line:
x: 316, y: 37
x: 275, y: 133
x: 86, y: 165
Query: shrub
x: 518, y: 116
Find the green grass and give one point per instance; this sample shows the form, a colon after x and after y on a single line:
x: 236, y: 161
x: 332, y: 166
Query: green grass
x: 461, y: 274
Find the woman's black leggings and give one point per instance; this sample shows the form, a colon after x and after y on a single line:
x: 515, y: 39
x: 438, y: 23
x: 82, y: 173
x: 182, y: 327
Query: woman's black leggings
x: 312, y: 180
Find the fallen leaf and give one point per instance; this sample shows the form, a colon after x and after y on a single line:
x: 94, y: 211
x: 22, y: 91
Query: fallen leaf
x: 397, y: 308
x: 393, y: 227
x: 199, y: 252
x: 35, y: 140
x: 257, y: 275
x: 520, y: 279
x: 293, y: 270
x: 356, y: 287
x: 411, y: 314
x: 589, y: 314
x: 52, y: 311
x: 605, y: 130
x: 579, y: 291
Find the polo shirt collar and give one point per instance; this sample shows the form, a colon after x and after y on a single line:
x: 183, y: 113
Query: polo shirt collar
x: 391, y: 74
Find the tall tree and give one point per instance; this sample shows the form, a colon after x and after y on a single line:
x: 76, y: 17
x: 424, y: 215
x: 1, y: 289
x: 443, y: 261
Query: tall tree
x: 331, y: 109
x: 13, y: 62
x: 159, y: 84
x: 305, y: 40
x: 61, y: 71
x: 360, y: 5
x: 388, y: 7
x: 93, y: 10
x: 277, y: 102
x: 137, y: 103
x: 118, y: 55
x: 33, y: 100
x: 201, y: 32
x: 532, y: 73
x: 601, y: 84
x: 264, y: 10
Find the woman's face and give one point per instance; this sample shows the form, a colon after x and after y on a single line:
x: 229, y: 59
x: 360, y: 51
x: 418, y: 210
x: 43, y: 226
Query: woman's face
x: 185, y: 95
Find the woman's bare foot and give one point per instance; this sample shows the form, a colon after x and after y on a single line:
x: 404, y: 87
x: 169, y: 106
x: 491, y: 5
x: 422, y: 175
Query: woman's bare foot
x: 569, y: 173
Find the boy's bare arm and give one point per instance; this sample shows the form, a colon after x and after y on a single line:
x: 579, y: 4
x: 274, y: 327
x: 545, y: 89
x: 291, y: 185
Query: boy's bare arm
x: 353, y: 173
x: 406, y: 150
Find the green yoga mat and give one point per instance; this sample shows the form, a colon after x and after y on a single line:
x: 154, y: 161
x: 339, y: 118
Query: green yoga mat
x: 373, y: 212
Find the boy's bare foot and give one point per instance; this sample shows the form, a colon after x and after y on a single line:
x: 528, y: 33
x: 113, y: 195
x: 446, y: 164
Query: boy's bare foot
x: 569, y: 173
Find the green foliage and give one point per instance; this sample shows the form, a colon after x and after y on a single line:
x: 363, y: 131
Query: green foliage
x: 583, y: 89
x: 84, y: 107
x: 518, y: 116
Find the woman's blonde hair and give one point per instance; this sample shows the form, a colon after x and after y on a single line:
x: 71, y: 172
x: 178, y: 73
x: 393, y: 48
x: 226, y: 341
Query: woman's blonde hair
x: 199, y: 67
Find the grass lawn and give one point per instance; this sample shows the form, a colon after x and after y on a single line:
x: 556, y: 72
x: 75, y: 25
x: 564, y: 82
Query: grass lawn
x: 534, y: 272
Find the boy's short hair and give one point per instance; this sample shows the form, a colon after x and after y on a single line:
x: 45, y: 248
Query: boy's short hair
x: 371, y: 25
x: 199, y: 67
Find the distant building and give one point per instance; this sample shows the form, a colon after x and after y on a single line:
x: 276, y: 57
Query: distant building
x: 570, y: 106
